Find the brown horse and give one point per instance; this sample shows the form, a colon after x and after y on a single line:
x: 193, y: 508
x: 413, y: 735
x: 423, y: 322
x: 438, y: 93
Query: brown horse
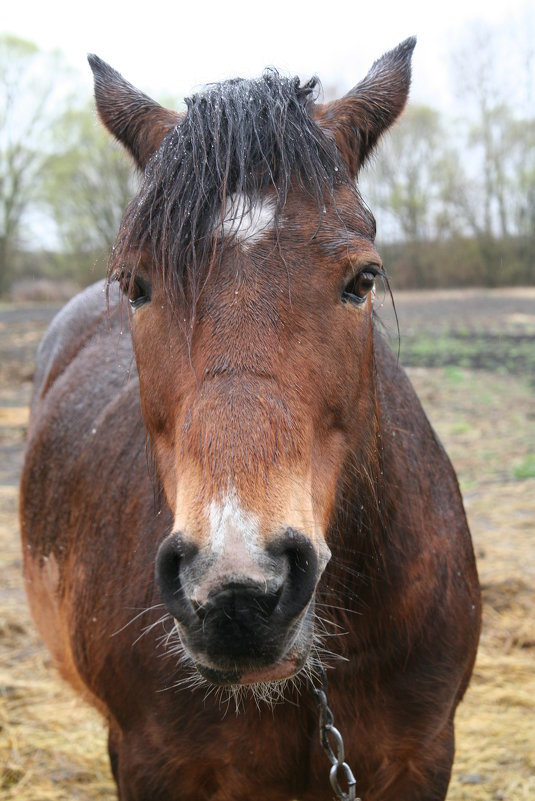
x: 229, y: 480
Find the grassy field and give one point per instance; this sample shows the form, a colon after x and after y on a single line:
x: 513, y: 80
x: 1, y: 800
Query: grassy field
x: 471, y: 356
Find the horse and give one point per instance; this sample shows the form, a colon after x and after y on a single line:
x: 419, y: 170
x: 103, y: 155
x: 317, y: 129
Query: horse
x: 230, y: 488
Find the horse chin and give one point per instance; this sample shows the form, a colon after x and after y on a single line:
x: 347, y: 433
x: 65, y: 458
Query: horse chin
x: 288, y: 667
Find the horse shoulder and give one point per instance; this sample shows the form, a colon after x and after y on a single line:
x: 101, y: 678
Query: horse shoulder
x: 430, y: 551
x: 79, y: 389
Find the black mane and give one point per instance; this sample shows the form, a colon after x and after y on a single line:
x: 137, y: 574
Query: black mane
x: 240, y: 136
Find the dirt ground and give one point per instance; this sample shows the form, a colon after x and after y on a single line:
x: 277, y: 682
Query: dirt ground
x: 52, y: 747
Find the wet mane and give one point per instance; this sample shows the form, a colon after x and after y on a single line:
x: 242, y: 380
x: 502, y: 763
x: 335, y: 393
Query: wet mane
x: 238, y: 137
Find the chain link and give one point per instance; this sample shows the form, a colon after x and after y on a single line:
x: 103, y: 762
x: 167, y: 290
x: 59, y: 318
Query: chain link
x: 333, y: 745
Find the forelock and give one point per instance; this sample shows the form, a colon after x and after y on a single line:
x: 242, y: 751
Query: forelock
x: 240, y: 137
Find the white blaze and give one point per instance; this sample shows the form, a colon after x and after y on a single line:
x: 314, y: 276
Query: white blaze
x: 248, y: 222
x: 231, y: 525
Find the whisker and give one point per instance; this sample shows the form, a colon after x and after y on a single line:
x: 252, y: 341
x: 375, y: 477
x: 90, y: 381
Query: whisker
x: 136, y: 617
x: 150, y: 627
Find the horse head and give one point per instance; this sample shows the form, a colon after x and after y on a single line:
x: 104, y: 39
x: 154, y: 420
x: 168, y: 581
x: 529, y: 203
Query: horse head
x: 248, y: 260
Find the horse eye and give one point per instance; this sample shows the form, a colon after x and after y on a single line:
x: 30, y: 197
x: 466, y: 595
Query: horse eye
x: 360, y: 285
x: 136, y: 288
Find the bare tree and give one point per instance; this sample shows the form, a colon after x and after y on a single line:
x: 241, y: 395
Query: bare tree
x: 492, y: 75
x: 410, y: 182
x: 28, y: 99
x: 89, y: 182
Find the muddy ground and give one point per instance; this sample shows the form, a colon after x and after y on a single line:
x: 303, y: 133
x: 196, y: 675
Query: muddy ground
x: 471, y: 356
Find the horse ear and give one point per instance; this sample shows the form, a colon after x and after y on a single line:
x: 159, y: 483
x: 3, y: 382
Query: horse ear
x: 359, y: 118
x: 138, y: 122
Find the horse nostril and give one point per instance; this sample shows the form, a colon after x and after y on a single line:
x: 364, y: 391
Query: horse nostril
x: 302, y: 566
x: 172, y: 555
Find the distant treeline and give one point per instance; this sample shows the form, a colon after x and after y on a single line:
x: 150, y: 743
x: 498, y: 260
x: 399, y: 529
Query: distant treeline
x: 460, y: 262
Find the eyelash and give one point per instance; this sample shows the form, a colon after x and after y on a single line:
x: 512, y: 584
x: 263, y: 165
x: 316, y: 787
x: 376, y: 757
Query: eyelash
x: 136, y: 288
x: 352, y: 292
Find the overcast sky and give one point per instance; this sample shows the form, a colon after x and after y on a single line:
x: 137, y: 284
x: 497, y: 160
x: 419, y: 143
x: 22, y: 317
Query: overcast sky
x: 173, y: 48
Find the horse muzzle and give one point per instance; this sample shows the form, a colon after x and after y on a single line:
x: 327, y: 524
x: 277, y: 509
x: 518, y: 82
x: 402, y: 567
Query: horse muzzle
x: 242, y: 626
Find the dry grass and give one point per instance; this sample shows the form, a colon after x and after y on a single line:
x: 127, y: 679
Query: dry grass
x: 53, y: 748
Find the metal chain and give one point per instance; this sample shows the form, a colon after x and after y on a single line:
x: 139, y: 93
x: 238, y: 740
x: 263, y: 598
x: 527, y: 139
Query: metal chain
x: 333, y: 745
